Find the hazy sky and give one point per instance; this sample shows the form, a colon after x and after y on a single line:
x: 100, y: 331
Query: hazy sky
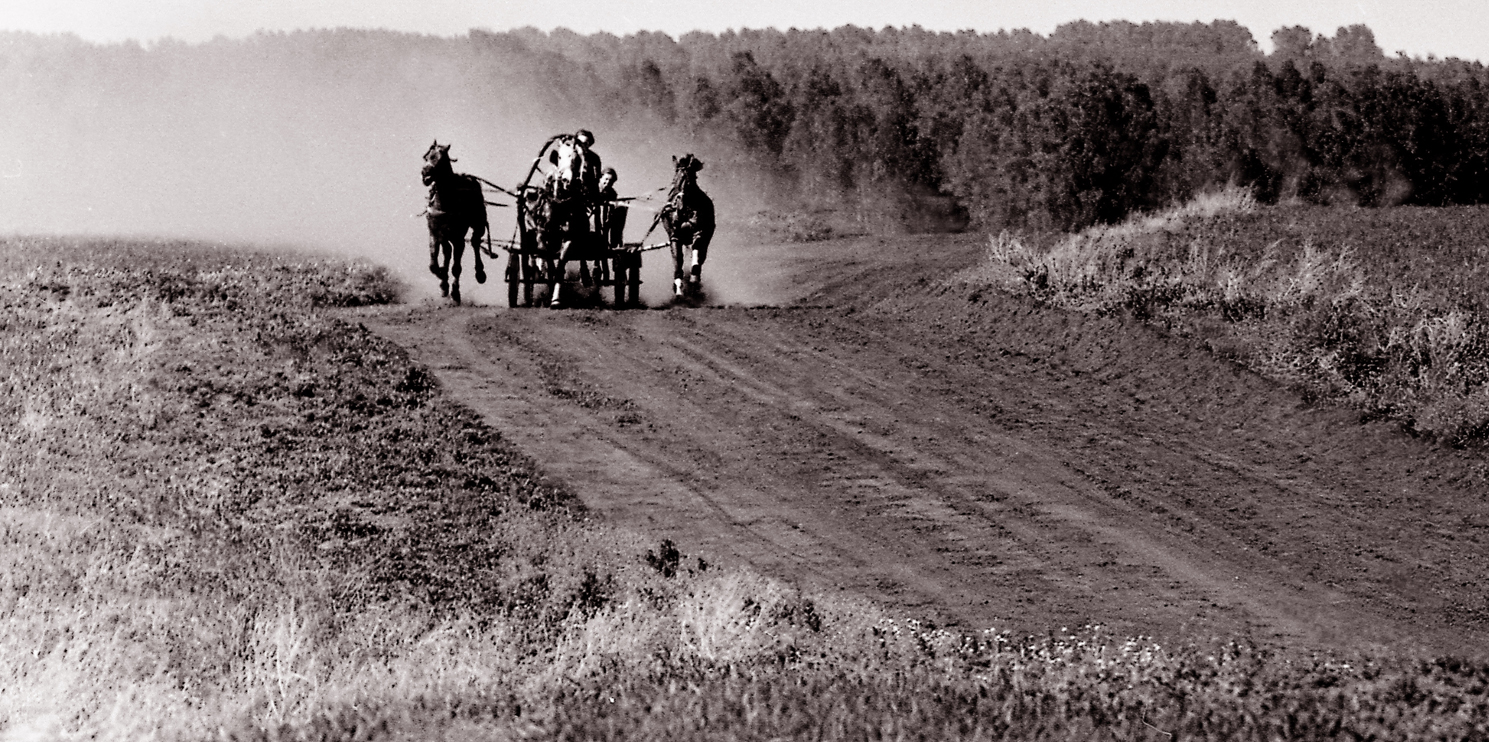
x: 1444, y: 28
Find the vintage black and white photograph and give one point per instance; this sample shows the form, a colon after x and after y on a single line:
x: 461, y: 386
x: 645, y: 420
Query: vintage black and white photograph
x: 658, y: 370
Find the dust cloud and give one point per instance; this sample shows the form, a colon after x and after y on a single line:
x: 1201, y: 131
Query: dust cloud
x: 307, y: 140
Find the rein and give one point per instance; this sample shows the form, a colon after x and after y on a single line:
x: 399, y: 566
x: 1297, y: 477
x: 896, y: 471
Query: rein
x: 674, y: 191
x: 493, y: 185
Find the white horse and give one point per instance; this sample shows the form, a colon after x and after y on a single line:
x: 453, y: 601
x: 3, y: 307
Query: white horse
x: 570, y: 187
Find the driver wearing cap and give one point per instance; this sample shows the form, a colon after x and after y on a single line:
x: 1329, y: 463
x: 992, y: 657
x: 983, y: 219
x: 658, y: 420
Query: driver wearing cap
x: 591, y: 169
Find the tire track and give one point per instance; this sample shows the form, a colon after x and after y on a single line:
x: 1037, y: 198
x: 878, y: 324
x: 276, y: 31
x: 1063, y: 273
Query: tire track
x: 996, y: 470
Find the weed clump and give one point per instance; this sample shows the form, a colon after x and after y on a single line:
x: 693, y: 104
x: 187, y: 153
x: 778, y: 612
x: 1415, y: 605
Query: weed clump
x: 1381, y: 310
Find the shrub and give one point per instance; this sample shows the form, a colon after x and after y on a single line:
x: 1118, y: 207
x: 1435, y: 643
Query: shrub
x: 1336, y: 322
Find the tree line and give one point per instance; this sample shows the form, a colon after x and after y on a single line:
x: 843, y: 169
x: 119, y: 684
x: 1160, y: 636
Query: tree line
x: 1007, y: 129
x: 1087, y: 125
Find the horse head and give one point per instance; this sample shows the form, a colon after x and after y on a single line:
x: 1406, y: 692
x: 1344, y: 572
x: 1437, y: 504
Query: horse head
x: 564, y: 180
x: 437, y: 154
x: 685, y: 173
x: 436, y: 161
x: 684, y: 177
x: 687, y: 164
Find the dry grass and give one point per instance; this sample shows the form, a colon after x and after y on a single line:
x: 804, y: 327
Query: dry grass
x: 226, y: 514
x: 1374, y: 320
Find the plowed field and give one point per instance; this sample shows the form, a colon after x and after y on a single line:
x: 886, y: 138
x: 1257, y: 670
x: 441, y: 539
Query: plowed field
x: 975, y: 459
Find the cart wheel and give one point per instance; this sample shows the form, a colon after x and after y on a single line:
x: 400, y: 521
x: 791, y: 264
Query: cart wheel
x: 527, y: 280
x: 514, y: 277
x: 619, y: 275
x: 635, y: 279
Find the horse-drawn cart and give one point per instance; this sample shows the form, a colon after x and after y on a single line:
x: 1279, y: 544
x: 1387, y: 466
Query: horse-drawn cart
x: 599, y: 247
x: 560, y: 220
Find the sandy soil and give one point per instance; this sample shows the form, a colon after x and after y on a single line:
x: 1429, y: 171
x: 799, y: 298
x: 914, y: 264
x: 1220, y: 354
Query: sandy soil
x: 974, y: 459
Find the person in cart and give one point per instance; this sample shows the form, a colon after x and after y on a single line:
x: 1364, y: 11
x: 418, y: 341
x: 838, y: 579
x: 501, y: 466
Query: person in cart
x: 608, y: 178
x: 610, y: 221
x: 605, y: 198
x: 591, y: 169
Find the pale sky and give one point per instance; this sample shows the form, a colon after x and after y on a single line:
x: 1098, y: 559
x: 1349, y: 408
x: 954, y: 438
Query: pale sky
x: 1443, y: 28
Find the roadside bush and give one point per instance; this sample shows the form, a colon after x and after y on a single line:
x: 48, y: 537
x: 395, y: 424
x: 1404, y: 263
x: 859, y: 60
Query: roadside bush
x: 1354, y: 322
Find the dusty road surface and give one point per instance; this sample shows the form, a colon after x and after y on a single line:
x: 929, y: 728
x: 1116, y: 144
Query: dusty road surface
x: 976, y: 460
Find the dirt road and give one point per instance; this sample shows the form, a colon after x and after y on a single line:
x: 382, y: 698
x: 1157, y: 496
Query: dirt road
x: 977, y: 460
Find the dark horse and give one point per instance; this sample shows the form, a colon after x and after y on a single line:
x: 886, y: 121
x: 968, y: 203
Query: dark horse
x: 689, y: 220
x: 456, y: 206
x: 555, y: 215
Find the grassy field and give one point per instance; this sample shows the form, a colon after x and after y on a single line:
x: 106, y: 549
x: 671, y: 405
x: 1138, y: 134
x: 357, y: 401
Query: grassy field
x: 1380, y: 309
x: 227, y: 512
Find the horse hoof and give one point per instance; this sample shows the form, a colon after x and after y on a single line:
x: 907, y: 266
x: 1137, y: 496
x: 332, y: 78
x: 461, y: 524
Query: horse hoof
x: 480, y: 276
x: 455, y: 295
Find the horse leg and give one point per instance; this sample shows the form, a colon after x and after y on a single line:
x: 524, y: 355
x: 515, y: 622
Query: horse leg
x: 700, y: 254
x: 556, y: 279
x: 677, y: 272
x: 444, y: 270
x: 554, y: 265
x: 434, y: 267
x: 476, y: 234
x: 457, y: 246
x: 529, y: 262
x: 565, y: 254
x: 584, y: 231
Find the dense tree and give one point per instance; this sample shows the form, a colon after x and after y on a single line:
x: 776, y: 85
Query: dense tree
x: 1292, y: 44
x: 651, y: 91
x: 755, y: 106
x: 1012, y: 128
x: 1094, y: 121
x: 820, y: 133
x: 1354, y: 45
